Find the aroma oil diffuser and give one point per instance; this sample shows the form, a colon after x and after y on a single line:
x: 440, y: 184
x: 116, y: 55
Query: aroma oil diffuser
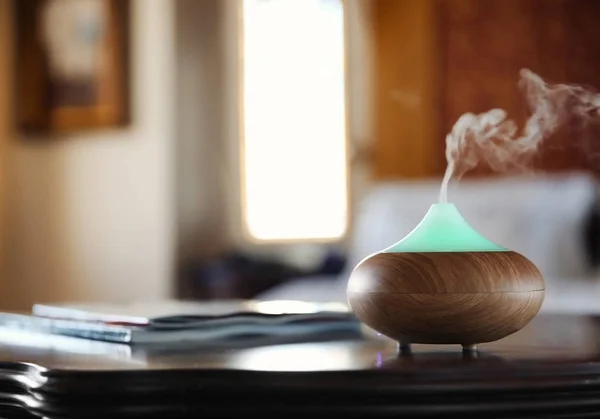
x: 445, y: 284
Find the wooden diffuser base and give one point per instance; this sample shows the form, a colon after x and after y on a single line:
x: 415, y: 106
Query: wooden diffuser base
x: 461, y: 298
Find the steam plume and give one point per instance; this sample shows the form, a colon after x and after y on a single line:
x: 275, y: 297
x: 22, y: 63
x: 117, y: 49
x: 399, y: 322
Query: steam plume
x: 493, y: 139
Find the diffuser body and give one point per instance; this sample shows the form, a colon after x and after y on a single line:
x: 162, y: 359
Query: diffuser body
x: 445, y: 284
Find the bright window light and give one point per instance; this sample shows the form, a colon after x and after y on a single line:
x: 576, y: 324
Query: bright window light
x: 294, y: 119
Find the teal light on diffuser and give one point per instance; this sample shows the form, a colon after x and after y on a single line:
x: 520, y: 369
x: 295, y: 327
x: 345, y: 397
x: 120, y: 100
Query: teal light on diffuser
x: 443, y: 229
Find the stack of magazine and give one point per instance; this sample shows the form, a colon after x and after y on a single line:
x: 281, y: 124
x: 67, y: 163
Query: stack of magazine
x: 186, y: 322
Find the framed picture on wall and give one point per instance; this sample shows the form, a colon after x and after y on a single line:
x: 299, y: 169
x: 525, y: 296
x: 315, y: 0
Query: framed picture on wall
x: 72, y: 64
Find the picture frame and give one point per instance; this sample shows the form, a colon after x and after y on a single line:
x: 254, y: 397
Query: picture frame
x: 72, y: 65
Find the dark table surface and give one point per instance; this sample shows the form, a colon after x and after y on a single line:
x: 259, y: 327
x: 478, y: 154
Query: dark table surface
x: 551, y: 368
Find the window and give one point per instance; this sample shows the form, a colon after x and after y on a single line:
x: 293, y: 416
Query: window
x: 294, y: 148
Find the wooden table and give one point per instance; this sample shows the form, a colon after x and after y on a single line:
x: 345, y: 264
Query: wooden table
x: 549, y: 369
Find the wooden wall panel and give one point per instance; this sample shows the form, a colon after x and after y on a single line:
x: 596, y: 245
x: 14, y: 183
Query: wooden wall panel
x: 470, y: 62
x: 486, y: 44
x: 583, y: 66
x: 6, y: 133
x: 406, y: 112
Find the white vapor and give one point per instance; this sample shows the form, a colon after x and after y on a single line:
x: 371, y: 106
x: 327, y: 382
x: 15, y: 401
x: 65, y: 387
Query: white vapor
x: 494, y: 140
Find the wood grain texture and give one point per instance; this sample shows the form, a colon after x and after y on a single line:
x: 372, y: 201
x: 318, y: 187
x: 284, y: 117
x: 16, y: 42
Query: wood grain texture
x: 446, y: 298
x: 486, y: 44
x: 405, y: 90
x: 438, y: 59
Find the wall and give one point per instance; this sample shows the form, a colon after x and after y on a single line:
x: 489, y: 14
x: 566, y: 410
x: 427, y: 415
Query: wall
x: 406, y: 90
x: 209, y: 218
x: 4, y: 112
x: 436, y: 60
x: 207, y: 169
x: 557, y: 40
x: 90, y: 217
x: 105, y: 215
x: 201, y: 162
x: 359, y: 32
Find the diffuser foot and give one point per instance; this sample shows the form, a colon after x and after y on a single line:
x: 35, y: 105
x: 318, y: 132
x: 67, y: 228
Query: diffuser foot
x: 404, y: 348
x: 470, y: 347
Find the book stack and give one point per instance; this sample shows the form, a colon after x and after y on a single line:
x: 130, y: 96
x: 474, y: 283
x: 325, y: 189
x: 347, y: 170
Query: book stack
x: 180, y: 322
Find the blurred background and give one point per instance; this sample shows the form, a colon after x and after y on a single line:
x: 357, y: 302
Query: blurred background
x: 202, y: 149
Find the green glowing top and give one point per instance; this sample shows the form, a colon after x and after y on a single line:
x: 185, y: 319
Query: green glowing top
x: 443, y: 229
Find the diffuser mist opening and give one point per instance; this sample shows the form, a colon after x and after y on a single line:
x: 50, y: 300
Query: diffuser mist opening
x: 443, y: 229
